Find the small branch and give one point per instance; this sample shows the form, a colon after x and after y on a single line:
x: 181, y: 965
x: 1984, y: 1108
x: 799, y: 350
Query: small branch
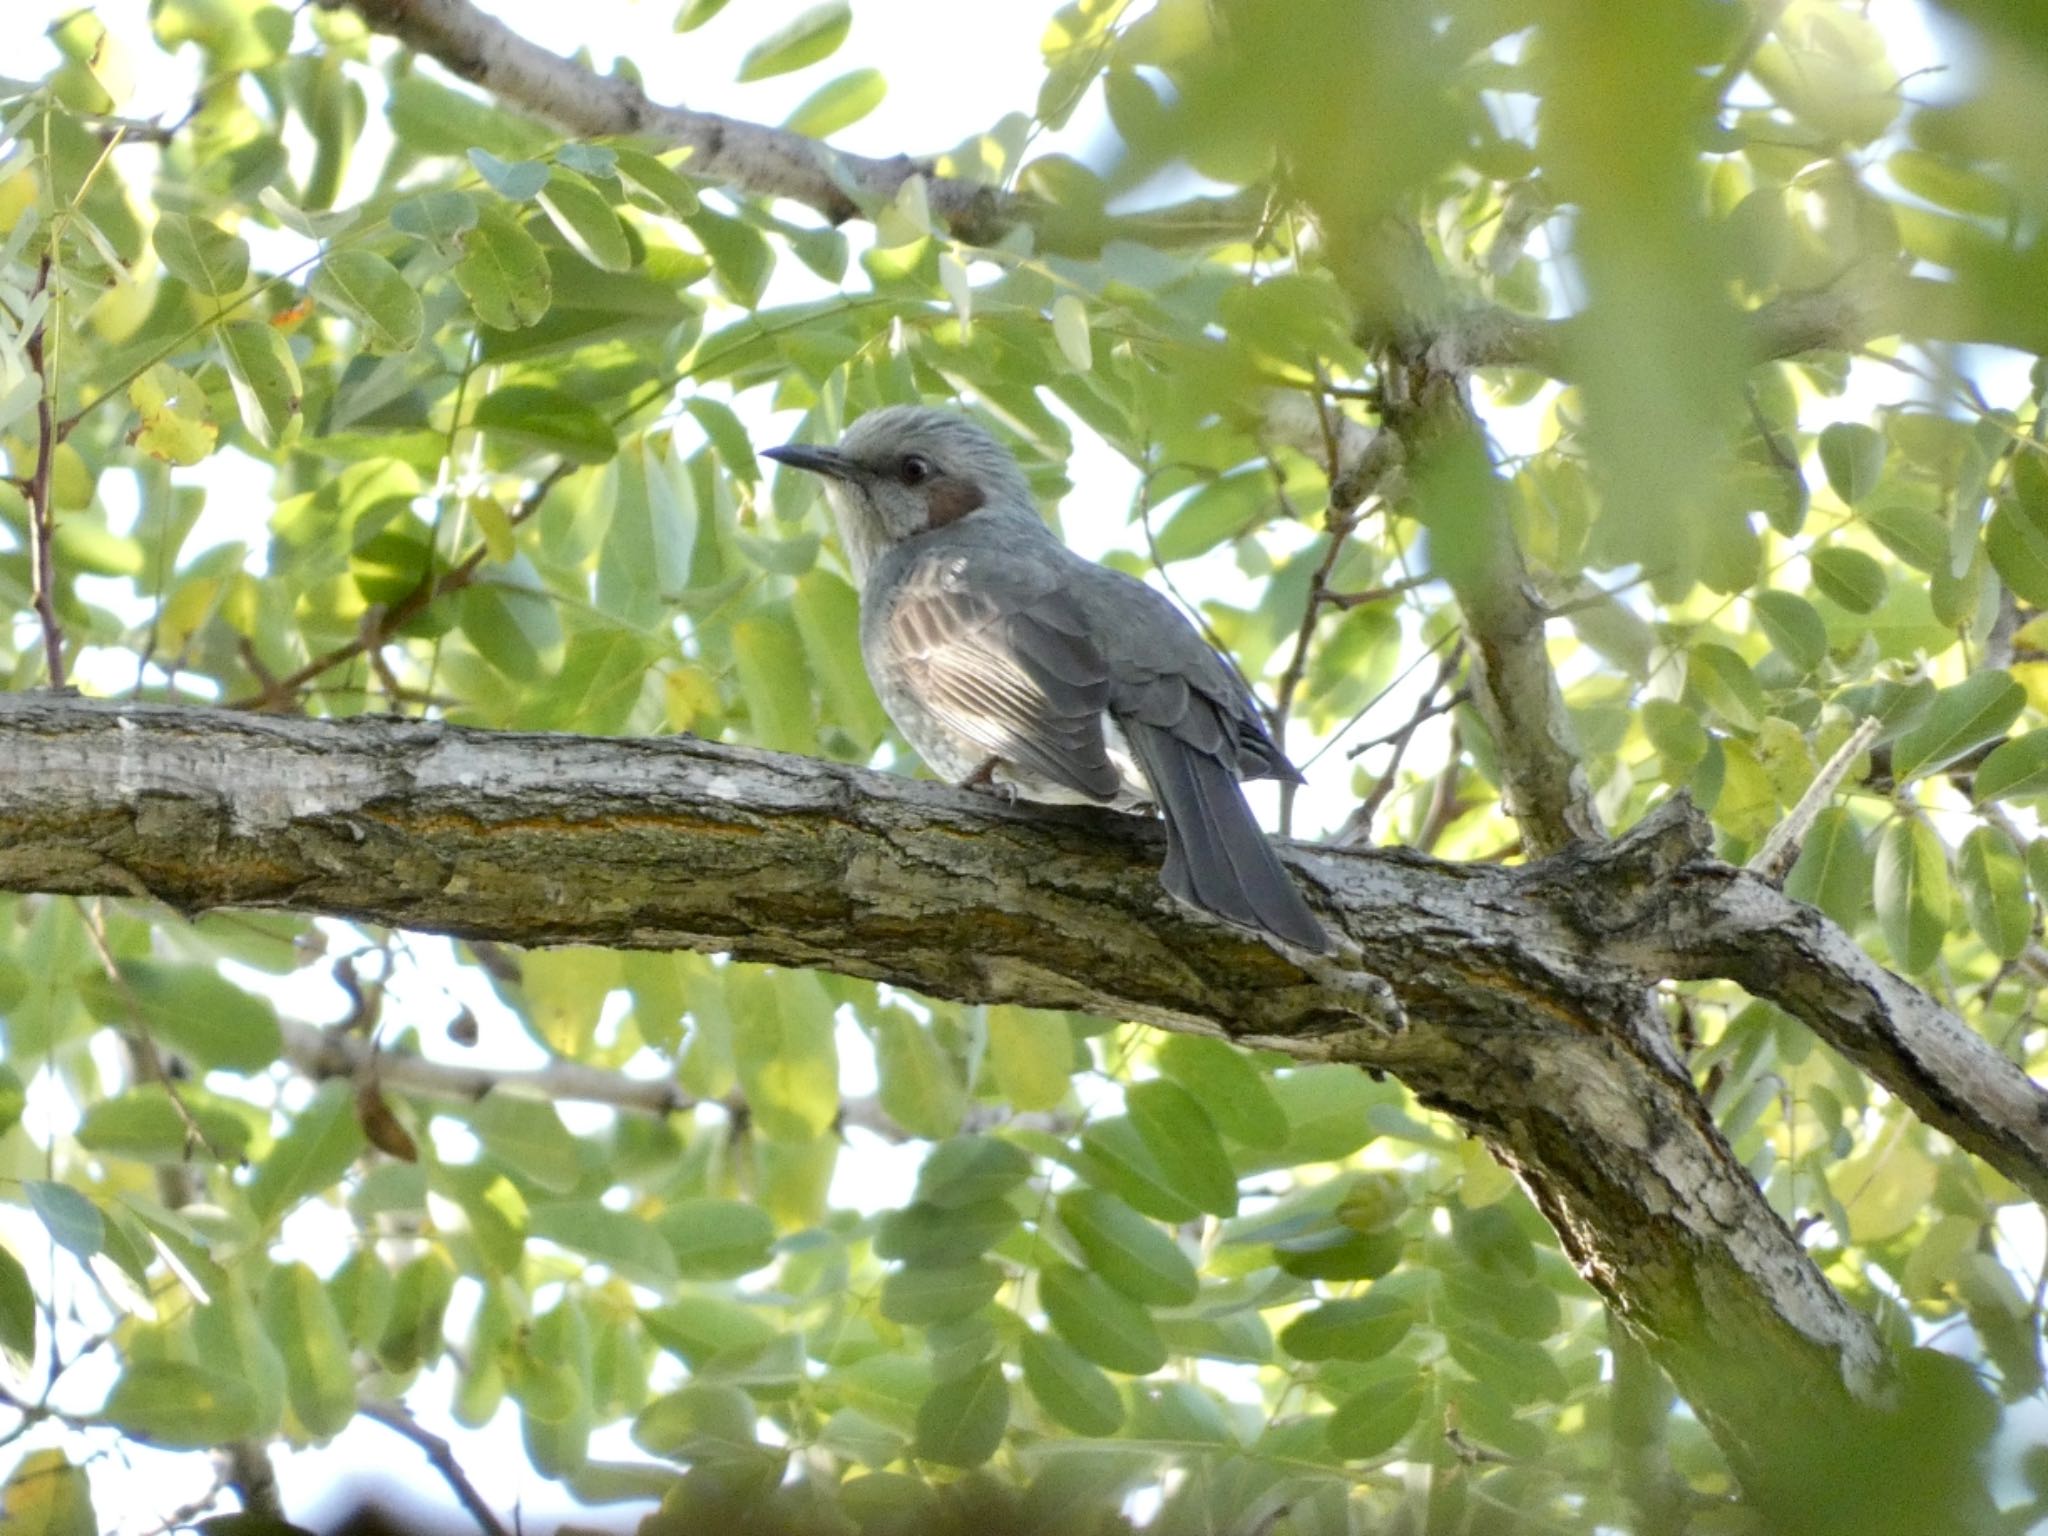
x: 1357, y: 828
x: 763, y: 161
x: 42, y: 517
x: 378, y: 631
x: 1774, y: 860
x: 441, y: 1456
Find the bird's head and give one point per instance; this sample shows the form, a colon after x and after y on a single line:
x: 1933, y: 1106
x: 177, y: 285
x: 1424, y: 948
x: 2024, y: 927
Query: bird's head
x: 909, y: 469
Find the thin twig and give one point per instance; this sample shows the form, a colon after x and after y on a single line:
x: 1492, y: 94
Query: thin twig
x: 442, y: 1457
x: 372, y: 637
x: 1780, y: 848
x: 1357, y: 827
x: 42, y: 522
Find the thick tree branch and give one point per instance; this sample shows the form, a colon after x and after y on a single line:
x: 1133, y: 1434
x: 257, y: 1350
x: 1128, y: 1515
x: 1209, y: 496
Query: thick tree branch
x: 1528, y: 1012
x: 754, y: 158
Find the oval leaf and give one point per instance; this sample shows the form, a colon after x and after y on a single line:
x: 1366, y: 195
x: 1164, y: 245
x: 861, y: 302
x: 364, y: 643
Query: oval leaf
x: 1178, y: 1132
x: 374, y: 295
x: 1993, y: 883
x: 1911, y: 891
x: 811, y: 36
x: 1963, y: 718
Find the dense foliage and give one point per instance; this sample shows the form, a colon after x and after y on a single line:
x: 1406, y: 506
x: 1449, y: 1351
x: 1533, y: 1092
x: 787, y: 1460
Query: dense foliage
x: 351, y: 390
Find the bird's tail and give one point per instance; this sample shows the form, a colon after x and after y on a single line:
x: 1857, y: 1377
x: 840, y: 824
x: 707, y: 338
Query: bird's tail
x: 1216, y: 856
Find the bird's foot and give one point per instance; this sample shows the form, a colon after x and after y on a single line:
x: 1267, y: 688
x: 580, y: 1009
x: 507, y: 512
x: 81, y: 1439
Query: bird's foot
x: 984, y: 778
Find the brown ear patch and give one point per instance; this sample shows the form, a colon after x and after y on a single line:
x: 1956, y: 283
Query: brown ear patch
x: 951, y: 498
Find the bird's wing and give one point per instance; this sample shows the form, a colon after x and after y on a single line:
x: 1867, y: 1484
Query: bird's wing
x: 1009, y: 664
x: 1163, y: 673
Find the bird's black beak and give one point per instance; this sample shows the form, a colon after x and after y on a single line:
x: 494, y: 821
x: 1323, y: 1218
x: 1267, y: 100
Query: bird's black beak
x: 829, y: 462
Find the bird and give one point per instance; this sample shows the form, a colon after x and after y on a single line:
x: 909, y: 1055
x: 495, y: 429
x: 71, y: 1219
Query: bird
x: 1011, y: 663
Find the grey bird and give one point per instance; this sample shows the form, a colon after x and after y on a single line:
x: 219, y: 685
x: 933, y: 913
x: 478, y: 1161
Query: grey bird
x: 1009, y: 661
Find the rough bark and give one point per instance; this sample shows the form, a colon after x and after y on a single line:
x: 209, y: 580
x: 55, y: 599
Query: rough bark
x: 1523, y: 990
x: 754, y: 158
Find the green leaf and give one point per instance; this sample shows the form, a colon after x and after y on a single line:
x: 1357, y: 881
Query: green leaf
x: 1114, y: 1158
x: 919, y: 1296
x: 1070, y: 331
x: 1977, y: 710
x: 146, y: 1125
x: 717, y: 1239
x: 827, y: 613
x: 2016, y: 767
x: 728, y: 435
x: 741, y: 258
x: 182, y: 1406
x: 1328, y: 1112
x: 503, y: 272
x: 514, y: 180
x: 45, y: 1495
x: 769, y: 658
x: 813, y: 35
x: 1236, y: 1094
x: 307, y: 1330
x: 1852, y: 455
x: 513, y: 622
x: 694, y: 13
x: 1031, y: 1054
x: 1993, y: 883
x: 1915, y: 535
x: 535, y: 418
x: 649, y: 507
x: 967, y: 1170
x: 579, y: 211
x: 1128, y: 1251
x: 202, y: 256
x: 921, y: 1086
x: 1520, y: 1370
x: 1353, y: 1328
x: 1851, y: 578
x: 323, y: 1139
x: 2017, y: 539
x: 176, y: 423
x: 13, y: 1095
x: 440, y: 217
x: 1911, y: 891
x: 412, y: 1335
x: 1793, y: 626
x: 74, y: 1222
x: 784, y: 1050
x: 625, y: 1244
x: 655, y: 178
x: 1834, y: 868
x: 527, y: 1136
x: 1074, y: 1392
x: 1102, y: 1323
x: 707, y: 1332
x: 1374, y: 1418
x: 1178, y: 1132
x: 838, y: 104
x: 374, y: 295
x: 924, y: 1233
x: 961, y: 1422
x: 193, y: 1010
x: 229, y: 1336
x: 1727, y: 685
x: 18, y: 1312
x: 266, y: 380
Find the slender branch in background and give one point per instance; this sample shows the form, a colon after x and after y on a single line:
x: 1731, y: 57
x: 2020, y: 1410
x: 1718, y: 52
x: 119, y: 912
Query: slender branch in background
x: 378, y: 630
x: 42, y: 517
x: 1780, y: 848
x: 441, y: 1456
x: 340, y: 1052
x: 1357, y: 828
x: 764, y: 161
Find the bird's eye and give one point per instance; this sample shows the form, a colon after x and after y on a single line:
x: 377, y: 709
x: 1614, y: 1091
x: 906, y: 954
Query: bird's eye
x: 915, y: 469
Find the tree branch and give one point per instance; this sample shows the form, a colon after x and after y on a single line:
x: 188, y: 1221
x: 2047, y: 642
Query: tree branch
x: 759, y: 160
